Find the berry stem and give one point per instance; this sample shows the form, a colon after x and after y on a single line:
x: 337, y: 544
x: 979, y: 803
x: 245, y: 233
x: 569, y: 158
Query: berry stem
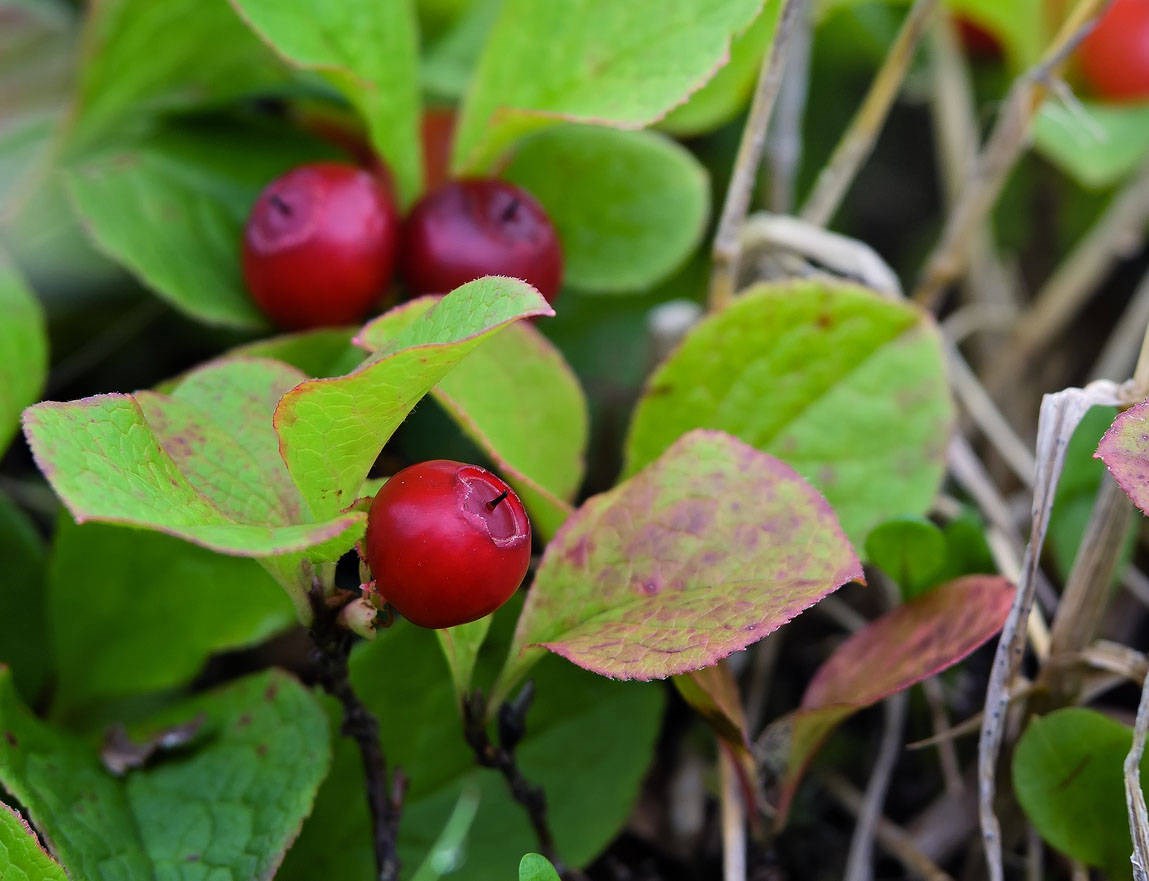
x: 494, y: 503
x: 384, y: 792
x: 512, y: 727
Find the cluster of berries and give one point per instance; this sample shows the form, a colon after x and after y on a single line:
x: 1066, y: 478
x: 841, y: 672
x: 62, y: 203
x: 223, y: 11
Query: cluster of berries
x: 324, y: 240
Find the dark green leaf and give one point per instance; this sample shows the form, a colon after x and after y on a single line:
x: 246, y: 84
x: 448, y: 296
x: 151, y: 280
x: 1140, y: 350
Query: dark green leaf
x: 910, y: 550
x: 639, y: 210
x: 169, y: 604
x: 1067, y: 772
x: 228, y: 804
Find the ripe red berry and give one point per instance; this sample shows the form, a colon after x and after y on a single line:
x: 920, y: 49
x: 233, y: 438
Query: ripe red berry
x: 447, y: 543
x: 480, y: 226
x: 320, y: 246
x: 1115, y: 56
x: 979, y: 42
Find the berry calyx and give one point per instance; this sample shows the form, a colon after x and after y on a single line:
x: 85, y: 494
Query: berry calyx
x: 1115, y: 55
x: 447, y: 542
x: 473, y: 227
x: 319, y: 248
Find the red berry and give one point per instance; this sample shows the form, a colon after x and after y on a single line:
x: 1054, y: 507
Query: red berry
x: 447, y: 543
x: 979, y: 42
x: 1115, y: 55
x: 320, y: 246
x: 480, y: 226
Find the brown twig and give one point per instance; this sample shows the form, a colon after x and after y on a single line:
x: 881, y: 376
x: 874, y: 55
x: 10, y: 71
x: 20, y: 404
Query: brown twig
x: 724, y: 273
x: 384, y: 794
x: 1006, y: 143
x: 501, y: 757
x: 858, y: 140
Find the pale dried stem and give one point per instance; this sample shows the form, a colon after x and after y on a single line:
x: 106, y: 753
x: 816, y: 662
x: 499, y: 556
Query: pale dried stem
x: 724, y: 273
x: 989, y: 287
x: 1059, y: 416
x: 857, y: 142
x: 733, y: 821
x: 1035, y: 855
x: 784, y: 135
x: 1086, y: 592
x: 860, y: 861
x: 1114, y: 235
x: 939, y: 718
x: 1004, y: 147
x: 893, y: 839
x: 985, y: 414
x: 1134, y: 795
x: 1120, y: 351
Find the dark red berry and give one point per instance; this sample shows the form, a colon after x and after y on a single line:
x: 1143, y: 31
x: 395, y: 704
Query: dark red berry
x: 320, y: 246
x: 480, y: 226
x: 1115, y: 55
x: 447, y: 542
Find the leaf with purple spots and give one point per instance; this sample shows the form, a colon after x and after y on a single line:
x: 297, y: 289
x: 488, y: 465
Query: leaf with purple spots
x: 1125, y: 451
x: 846, y: 386
x: 900, y: 649
x: 704, y: 552
x: 201, y: 463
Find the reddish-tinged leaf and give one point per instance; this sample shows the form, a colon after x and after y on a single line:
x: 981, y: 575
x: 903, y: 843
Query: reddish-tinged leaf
x: 1125, y: 451
x: 710, y: 548
x: 713, y: 693
x: 911, y: 643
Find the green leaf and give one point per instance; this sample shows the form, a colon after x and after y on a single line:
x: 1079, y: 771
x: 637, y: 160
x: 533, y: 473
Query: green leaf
x: 721, y: 99
x: 332, y: 430
x: 169, y: 604
x: 23, y: 628
x: 1067, y: 772
x: 595, y: 61
x: 640, y: 208
x: 1096, y: 144
x: 910, y: 550
x: 230, y: 803
x: 142, y: 58
x: 847, y: 387
x: 701, y: 554
x: 536, y: 867
x: 591, y: 791
x: 323, y: 352
x: 460, y: 647
x: 906, y: 645
x: 172, y: 211
x: 23, y: 350
x: 967, y: 551
x: 538, y: 444
x: 201, y: 464
x: 369, y: 50
x: 21, y: 856
x: 448, y: 63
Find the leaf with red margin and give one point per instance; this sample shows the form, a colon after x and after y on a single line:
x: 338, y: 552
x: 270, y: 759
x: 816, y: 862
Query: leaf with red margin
x: 20, y: 852
x: 1125, y: 451
x: 331, y: 430
x: 707, y: 550
x: 903, y: 647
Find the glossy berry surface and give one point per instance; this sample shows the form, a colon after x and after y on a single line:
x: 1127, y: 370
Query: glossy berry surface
x: 1115, y: 55
x: 320, y: 246
x: 447, y: 542
x: 480, y: 226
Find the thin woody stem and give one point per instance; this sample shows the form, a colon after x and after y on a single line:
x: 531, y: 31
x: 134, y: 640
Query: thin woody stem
x: 724, y: 273
x: 384, y: 796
